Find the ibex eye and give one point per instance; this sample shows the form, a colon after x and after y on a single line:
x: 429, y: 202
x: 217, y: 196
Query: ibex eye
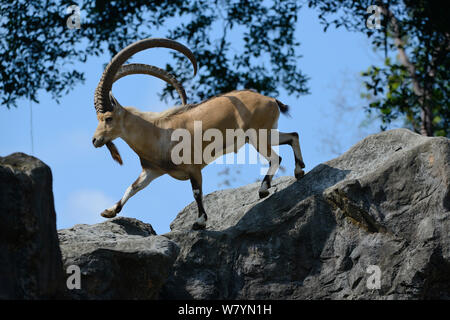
x: 108, y: 120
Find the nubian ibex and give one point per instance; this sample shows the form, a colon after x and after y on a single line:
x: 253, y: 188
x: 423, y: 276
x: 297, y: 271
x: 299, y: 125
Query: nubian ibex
x: 150, y: 134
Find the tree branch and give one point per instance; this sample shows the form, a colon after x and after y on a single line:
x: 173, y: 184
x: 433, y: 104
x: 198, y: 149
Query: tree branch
x: 400, y: 44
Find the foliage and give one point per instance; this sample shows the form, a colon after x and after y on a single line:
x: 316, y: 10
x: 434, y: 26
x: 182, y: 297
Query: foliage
x: 414, y: 86
x: 38, y: 51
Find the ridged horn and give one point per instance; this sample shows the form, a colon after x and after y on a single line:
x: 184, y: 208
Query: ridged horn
x: 138, y: 68
x: 101, y: 100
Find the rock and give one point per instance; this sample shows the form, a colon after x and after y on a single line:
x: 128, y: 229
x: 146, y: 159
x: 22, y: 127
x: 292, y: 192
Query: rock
x: 380, y: 211
x: 228, y: 206
x: 30, y: 259
x: 373, y: 223
x: 121, y: 258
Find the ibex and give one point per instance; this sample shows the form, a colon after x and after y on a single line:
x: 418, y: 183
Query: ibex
x: 149, y: 134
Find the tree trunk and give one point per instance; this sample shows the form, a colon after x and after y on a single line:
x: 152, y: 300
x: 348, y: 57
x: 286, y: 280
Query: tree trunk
x: 426, y: 127
x: 426, y: 115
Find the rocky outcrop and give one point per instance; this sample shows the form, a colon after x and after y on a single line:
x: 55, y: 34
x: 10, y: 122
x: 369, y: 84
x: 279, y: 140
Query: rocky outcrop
x: 30, y: 259
x: 121, y: 258
x: 381, y: 211
x: 373, y: 223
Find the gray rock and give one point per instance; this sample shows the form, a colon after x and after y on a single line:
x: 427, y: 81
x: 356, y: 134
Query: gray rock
x: 383, y: 203
x: 383, y: 206
x: 30, y: 259
x: 121, y: 258
x: 226, y: 206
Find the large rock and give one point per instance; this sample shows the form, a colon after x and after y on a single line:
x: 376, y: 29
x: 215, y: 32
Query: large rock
x: 30, y: 259
x: 121, y: 258
x: 382, y: 208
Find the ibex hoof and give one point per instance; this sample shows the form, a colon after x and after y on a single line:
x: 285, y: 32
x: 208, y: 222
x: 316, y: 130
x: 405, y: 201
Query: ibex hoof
x: 263, y: 193
x: 108, y: 214
x: 299, y: 175
x: 198, y: 226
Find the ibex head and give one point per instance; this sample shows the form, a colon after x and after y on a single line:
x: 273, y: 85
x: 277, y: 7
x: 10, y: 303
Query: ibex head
x: 108, y: 127
x: 109, y: 111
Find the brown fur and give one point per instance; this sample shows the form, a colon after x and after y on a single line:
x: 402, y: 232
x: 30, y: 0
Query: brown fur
x: 150, y: 134
x: 181, y: 109
x: 246, y: 114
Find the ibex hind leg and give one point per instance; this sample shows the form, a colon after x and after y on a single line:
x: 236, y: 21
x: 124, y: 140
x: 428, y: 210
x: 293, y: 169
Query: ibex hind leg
x: 274, y: 163
x: 196, y: 183
x: 293, y: 140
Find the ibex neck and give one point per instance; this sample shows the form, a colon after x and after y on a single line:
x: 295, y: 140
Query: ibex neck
x: 141, y: 135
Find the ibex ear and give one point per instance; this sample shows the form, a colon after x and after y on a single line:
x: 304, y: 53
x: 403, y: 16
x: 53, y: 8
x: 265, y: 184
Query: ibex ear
x: 116, y: 106
x: 113, y: 100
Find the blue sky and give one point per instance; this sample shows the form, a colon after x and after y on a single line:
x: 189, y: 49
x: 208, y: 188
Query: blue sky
x: 86, y: 180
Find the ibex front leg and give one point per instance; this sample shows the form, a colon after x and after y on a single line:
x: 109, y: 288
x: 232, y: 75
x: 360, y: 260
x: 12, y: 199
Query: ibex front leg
x: 196, y: 183
x: 142, y: 181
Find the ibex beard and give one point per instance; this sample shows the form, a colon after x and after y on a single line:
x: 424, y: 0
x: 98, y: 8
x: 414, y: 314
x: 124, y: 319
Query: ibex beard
x: 151, y: 134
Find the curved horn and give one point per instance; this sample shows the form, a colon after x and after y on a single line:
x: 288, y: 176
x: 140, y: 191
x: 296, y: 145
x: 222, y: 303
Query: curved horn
x: 137, y: 68
x: 101, y: 101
